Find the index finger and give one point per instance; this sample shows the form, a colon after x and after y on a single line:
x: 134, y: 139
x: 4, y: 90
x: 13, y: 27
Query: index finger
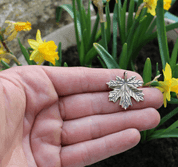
x: 74, y: 80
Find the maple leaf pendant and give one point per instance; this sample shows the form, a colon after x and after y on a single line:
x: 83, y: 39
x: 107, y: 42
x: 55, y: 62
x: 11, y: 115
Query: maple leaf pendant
x: 125, y: 89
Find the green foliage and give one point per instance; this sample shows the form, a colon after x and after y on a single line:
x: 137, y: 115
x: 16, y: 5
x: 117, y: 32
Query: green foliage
x: 26, y: 54
x: 106, y: 57
x: 147, y: 71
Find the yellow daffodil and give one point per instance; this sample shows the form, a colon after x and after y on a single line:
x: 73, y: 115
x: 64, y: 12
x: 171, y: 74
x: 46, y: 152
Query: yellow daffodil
x: 168, y: 85
x: 151, y: 5
x: 14, y: 27
x: 43, y: 50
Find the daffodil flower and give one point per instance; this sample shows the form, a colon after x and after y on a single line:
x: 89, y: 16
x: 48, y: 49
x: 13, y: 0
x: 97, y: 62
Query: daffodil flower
x: 151, y: 5
x: 43, y: 50
x: 168, y: 85
x: 14, y: 27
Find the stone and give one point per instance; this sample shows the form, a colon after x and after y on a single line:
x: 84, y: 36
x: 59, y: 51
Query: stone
x: 41, y: 14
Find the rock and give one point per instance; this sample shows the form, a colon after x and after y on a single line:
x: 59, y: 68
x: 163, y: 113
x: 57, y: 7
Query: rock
x: 41, y: 14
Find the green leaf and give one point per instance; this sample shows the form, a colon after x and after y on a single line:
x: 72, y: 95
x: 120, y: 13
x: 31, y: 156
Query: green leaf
x: 88, y: 20
x: 144, y: 27
x: 173, y: 133
x: 171, y: 127
x: 25, y: 53
x: 68, y: 8
x: 104, y: 38
x: 151, y: 27
x: 173, y: 59
x: 147, y: 71
x: 108, y: 22
x: 6, y: 66
x: 50, y: 64
x: 82, y: 53
x: 130, y: 16
x: 155, y: 83
x: 164, y: 133
x: 107, y: 58
x: 123, y: 16
x: 130, y: 39
x: 123, y: 57
x: 157, y: 71
x: 82, y: 16
x: 114, y: 46
x: 58, y: 13
x: 168, y: 116
x: 65, y: 64
x: 75, y: 25
x: 59, y: 62
x: 90, y: 55
x: 175, y: 71
x: 101, y: 61
x: 161, y: 30
x: 173, y: 101
x: 120, y: 24
x: 94, y: 31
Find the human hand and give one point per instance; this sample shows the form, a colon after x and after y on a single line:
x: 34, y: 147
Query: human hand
x: 61, y: 117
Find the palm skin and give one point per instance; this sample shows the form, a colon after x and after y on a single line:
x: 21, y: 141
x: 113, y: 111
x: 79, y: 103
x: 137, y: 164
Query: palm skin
x: 61, y: 117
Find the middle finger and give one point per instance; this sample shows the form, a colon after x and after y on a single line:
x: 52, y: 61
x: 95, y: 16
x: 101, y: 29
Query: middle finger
x: 97, y: 126
x: 87, y: 104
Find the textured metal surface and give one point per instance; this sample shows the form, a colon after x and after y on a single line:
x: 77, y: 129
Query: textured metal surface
x: 125, y: 89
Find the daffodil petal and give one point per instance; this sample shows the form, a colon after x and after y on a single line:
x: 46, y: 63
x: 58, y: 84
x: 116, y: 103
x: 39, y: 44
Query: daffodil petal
x: 168, y: 96
x: 161, y: 89
x: 165, y: 101
x: 168, y: 72
x: 38, y: 36
x: 40, y: 61
x: 174, y: 85
x: 34, y: 44
x: 174, y: 82
x: 34, y: 54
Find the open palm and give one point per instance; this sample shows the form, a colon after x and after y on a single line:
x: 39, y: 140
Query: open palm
x: 61, y: 117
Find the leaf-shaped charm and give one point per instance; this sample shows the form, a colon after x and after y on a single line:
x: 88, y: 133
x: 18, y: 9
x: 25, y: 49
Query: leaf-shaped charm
x: 125, y: 89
